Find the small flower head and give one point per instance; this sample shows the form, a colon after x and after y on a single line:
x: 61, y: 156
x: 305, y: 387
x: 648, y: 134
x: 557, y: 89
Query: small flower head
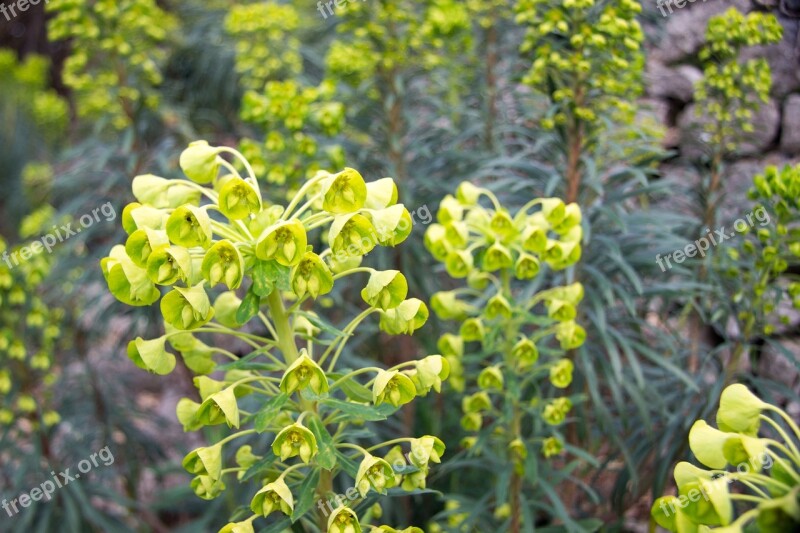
x: 406, y: 318
x: 385, y: 289
x: 274, y: 496
x: 142, y: 242
x: 426, y: 449
x: 284, y: 241
x: 187, y: 308
x: 304, y: 372
x: 430, y: 372
x: 739, y: 410
x: 218, y: 408
x: 393, y: 387
x: 497, y: 257
x: 343, y: 520
x: 555, y: 412
x: 570, y: 335
x: 491, y: 378
x: 238, y: 199
x: 525, y: 352
x: 472, y: 330
x: 352, y: 235
x: 552, y: 446
x: 561, y: 373
x: 295, y: 440
x: 374, y: 473
x: 206, y: 487
x: 458, y: 263
x: 311, y: 275
x: 169, y: 264
x: 189, y: 226
x: 526, y: 267
x: 344, y: 192
x: 223, y: 263
x: 498, y: 306
x: 205, y: 461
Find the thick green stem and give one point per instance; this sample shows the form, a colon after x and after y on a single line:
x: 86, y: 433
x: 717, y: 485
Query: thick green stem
x: 283, y: 327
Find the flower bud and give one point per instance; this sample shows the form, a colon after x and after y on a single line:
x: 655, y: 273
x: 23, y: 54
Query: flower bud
x: 207, y: 488
x: 497, y: 257
x: 458, y: 263
x: 200, y: 162
x: 472, y: 330
x: 498, y: 306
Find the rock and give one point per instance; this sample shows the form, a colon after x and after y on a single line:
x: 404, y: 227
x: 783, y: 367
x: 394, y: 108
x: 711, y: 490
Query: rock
x: 766, y: 123
x: 790, y: 131
x: 775, y: 366
x: 673, y: 83
x: 686, y: 27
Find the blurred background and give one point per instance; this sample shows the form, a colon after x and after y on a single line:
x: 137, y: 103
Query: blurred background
x: 432, y: 93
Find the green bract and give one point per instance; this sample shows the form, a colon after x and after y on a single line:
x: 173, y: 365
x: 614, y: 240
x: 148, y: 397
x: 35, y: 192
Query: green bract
x: 285, y: 242
x: 238, y: 199
x: 295, y: 440
x: 311, y: 275
x: 200, y: 162
x: 344, y: 192
x: 223, y: 263
x: 189, y: 226
x: 187, y: 308
x: 275, y: 496
x: 304, y: 372
x: 386, y: 289
x: 393, y: 387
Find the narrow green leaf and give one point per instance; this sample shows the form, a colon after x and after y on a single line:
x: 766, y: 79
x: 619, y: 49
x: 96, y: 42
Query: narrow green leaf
x: 249, y: 306
x: 270, y: 410
x: 307, y: 493
x: 326, y: 456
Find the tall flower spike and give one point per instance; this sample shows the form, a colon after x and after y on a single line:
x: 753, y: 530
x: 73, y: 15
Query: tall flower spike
x: 295, y: 440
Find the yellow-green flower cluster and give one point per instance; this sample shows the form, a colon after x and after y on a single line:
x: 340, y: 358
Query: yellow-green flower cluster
x: 29, y: 333
x: 752, y: 482
x: 295, y: 117
x: 731, y: 92
x: 774, y: 248
x: 490, y: 247
x: 117, y: 54
x: 270, y: 261
x: 587, y: 57
x: 380, y: 39
x: 24, y: 86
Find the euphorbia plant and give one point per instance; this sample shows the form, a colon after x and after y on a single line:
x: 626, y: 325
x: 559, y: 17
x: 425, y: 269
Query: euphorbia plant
x: 214, y: 233
x: 511, y: 339
x: 763, y: 465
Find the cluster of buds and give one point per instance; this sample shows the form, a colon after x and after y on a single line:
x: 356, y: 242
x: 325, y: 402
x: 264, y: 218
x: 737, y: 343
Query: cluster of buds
x: 588, y: 57
x: 296, y: 119
x: 765, y: 470
x: 116, y: 55
x: 216, y: 234
x: 731, y: 92
x: 30, y: 330
x: 769, y: 254
x: 490, y: 248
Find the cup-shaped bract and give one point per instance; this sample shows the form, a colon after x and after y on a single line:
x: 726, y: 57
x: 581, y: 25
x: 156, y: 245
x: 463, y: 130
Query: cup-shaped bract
x: 219, y: 407
x: 570, y: 335
x: 205, y: 461
x: 151, y: 355
x: 187, y: 308
x: 497, y: 257
x: 343, y: 520
x: 295, y: 440
x: 189, y: 226
x: 430, y: 372
x: 491, y: 378
x: 311, y: 275
x: 739, y: 410
x: 223, y: 263
x: 275, y: 496
x: 200, y: 162
x: 406, y: 318
x: 561, y: 373
x: 127, y: 282
x: 238, y: 199
x: 393, y: 387
x: 304, y: 372
x: 163, y: 193
x: 344, y: 192
x: 285, y: 242
x: 392, y: 225
x: 169, y: 264
x: 352, y: 235
x: 385, y: 289
x: 374, y: 473
x: 207, y: 488
x: 142, y: 242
